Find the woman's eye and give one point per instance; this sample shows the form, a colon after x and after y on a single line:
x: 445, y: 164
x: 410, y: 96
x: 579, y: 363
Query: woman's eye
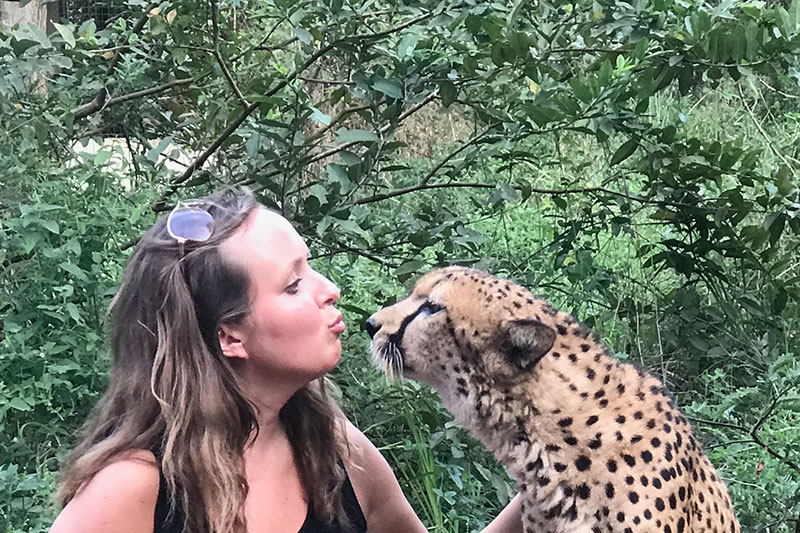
x: 293, y: 288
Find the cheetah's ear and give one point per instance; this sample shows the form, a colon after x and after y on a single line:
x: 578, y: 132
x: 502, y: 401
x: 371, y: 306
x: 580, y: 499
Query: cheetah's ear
x: 527, y: 341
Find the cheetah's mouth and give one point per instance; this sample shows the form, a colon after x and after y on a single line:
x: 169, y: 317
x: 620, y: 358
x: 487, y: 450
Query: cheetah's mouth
x: 390, y: 358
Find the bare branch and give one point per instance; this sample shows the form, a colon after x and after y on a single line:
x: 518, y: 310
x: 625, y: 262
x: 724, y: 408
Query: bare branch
x: 326, y: 82
x: 92, y: 107
x: 768, y: 410
x: 278, y: 46
x: 258, y: 46
x: 154, y: 90
x: 754, y: 432
x: 410, y: 111
x: 764, y: 133
x: 457, y: 151
x: 390, y: 31
x: 339, y: 118
x: 400, y: 192
x: 225, y: 72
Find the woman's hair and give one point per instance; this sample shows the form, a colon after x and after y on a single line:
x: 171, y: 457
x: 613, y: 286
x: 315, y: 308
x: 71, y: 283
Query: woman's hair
x: 172, y: 391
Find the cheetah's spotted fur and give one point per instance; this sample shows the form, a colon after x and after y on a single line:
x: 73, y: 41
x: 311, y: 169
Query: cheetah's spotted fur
x: 595, y: 445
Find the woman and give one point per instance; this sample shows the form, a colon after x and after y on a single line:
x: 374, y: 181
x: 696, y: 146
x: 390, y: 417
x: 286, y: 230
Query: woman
x: 216, y: 417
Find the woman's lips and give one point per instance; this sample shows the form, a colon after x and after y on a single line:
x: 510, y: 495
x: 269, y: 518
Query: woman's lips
x: 338, y: 325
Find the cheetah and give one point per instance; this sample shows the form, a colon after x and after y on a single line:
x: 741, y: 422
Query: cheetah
x: 595, y: 445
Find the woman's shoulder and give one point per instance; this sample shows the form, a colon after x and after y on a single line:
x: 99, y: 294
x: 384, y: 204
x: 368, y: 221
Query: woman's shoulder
x: 121, y: 496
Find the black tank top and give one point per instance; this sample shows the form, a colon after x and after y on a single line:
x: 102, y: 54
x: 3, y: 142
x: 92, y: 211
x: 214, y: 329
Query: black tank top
x: 312, y: 523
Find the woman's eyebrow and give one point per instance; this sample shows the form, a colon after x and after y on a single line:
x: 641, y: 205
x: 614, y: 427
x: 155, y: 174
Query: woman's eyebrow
x: 294, y: 265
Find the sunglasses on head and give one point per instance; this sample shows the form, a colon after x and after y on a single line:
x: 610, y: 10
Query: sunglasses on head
x: 189, y: 221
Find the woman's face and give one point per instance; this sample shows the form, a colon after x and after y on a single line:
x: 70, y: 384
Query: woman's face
x: 292, y: 330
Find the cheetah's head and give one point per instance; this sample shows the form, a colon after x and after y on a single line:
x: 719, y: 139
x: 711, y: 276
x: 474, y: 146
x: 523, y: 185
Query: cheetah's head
x: 461, y: 321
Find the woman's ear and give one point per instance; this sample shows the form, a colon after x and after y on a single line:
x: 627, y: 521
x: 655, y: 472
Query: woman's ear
x: 231, y: 341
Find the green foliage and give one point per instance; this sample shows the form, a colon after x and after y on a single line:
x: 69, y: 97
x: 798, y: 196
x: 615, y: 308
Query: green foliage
x: 635, y: 163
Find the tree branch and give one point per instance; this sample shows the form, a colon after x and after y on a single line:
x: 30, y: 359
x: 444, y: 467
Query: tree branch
x: 407, y: 113
x: 223, y: 67
x: 764, y: 133
x: 411, y: 110
x: 400, y: 192
x: 99, y: 100
x: 337, y: 119
x: 754, y: 432
x: 326, y: 82
x: 92, y: 107
x: 390, y: 31
x: 248, y: 110
x: 154, y: 90
x: 246, y: 51
x: 457, y: 151
x: 136, y: 29
x: 768, y: 411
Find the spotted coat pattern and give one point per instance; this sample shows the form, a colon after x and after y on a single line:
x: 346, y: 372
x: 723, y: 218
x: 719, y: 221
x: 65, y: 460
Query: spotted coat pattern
x: 596, y: 445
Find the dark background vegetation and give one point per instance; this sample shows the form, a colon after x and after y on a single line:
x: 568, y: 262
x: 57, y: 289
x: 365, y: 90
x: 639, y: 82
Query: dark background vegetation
x: 635, y: 163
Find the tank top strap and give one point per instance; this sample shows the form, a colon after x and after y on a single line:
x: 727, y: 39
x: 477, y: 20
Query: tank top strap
x: 358, y: 523
x: 162, y: 522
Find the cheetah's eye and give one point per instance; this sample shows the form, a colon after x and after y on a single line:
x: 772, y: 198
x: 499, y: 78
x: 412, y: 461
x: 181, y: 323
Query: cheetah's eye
x: 429, y: 309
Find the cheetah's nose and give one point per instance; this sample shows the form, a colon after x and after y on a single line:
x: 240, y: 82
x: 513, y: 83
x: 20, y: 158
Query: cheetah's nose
x: 372, y: 326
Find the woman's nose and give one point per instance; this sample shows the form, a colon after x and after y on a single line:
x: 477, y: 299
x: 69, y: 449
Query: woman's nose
x: 330, y: 292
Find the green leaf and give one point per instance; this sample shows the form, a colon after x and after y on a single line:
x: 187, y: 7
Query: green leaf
x: 391, y: 88
x: 87, y: 29
x: 252, y: 145
x: 780, y: 301
x: 19, y: 404
x: 497, y: 54
x: 297, y: 16
x: 319, y: 192
x: 409, y: 267
x: 624, y: 152
x: 102, y: 157
x: 514, y: 13
x: 776, y: 227
x: 349, y: 136
x: 407, y: 45
x: 73, y: 312
x: 51, y: 226
x: 40, y: 36
x: 541, y: 115
x: 338, y: 174
x: 783, y: 181
x: 448, y: 91
x: 520, y: 43
x: 751, y: 36
x: 74, y: 270
x: 154, y: 153
x: 349, y: 158
x: 66, y: 33
x: 320, y: 117
x: 581, y: 90
x: 794, y: 15
x: 302, y: 34
x: 504, y: 191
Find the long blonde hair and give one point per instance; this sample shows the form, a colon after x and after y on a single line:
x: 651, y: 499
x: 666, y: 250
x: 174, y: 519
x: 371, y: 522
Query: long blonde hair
x: 172, y: 391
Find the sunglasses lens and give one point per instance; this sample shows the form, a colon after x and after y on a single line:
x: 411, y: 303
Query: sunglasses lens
x: 190, y: 224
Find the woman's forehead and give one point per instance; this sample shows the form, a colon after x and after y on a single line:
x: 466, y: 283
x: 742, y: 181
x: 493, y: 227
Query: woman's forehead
x: 268, y: 235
